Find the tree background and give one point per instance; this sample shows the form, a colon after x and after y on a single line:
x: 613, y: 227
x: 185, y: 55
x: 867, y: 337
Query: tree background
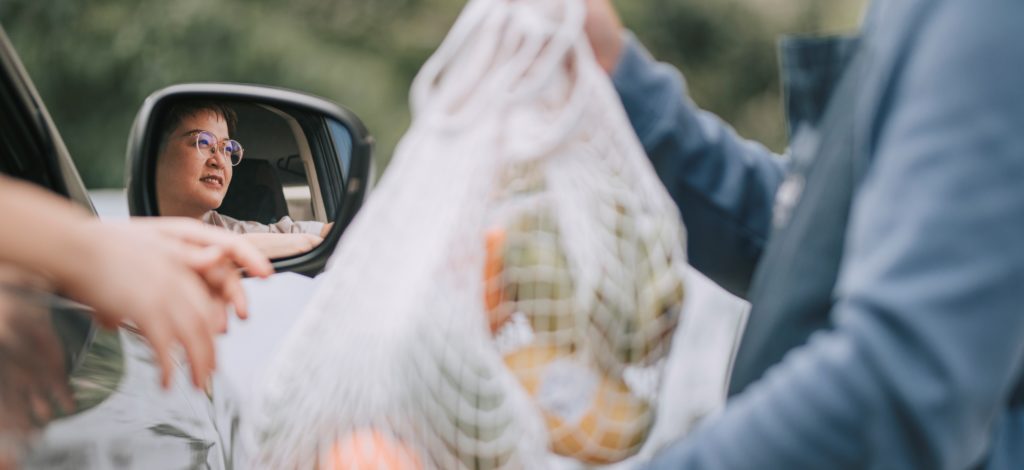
x: 95, y: 61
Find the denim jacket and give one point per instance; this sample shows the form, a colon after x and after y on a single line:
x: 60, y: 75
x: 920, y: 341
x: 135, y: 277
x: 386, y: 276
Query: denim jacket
x: 884, y: 258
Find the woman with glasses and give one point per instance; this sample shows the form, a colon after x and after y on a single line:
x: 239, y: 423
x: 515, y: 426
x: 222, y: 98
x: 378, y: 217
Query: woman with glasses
x: 194, y: 170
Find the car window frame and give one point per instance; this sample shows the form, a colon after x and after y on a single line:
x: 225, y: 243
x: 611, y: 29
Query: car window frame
x: 27, y: 107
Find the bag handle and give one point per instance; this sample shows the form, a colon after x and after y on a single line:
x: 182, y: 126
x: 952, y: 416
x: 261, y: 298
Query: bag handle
x: 475, y: 68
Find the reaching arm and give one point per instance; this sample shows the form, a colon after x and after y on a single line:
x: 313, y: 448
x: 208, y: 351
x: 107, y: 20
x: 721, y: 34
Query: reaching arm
x: 927, y: 340
x: 724, y: 185
x: 173, y: 278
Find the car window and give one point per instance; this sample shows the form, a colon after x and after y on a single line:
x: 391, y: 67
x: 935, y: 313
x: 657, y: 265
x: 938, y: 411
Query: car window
x: 343, y: 142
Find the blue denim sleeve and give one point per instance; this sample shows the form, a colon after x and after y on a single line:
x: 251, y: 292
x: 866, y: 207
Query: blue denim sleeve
x: 929, y: 335
x: 724, y: 185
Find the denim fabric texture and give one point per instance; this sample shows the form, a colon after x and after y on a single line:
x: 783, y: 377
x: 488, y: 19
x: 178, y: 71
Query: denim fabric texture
x: 886, y: 328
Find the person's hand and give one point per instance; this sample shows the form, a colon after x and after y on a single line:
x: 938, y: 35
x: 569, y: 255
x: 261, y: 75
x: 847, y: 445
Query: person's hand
x: 279, y: 245
x: 32, y: 371
x: 604, y: 31
x: 327, y: 229
x: 173, y: 279
x: 221, y: 273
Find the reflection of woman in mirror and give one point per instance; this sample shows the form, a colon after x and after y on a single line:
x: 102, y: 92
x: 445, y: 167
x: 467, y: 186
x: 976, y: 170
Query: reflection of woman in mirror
x: 194, y: 168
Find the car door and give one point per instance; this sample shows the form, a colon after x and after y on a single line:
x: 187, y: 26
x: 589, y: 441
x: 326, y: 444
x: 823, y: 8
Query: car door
x: 123, y: 419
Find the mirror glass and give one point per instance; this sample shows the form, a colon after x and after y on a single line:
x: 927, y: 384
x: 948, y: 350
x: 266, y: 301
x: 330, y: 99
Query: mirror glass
x: 270, y: 172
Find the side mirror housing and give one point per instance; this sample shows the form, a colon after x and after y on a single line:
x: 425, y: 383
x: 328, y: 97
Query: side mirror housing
x: 254, y: 160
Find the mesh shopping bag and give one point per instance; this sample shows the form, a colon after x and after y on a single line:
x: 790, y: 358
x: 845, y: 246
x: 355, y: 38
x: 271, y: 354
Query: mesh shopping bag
x: 511, y: 287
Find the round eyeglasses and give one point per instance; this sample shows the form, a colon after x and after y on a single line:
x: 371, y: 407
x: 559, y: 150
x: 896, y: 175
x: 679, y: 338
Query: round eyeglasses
x: 207, y: 143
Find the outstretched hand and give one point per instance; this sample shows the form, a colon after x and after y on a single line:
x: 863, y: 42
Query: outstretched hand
x: 174, y: 279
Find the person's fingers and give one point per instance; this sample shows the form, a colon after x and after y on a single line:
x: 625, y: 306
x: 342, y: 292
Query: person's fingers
x: 216, y: 323
x: 310, y: 242
x: 56, y: 381
x: 191, y: 315
x: 160, y: 337
x: 234, y: 294
x: 203, y: 258
x: 190, y: 334
x: 219, y: 323
x: 241, y: 252
x: 604, y: 32
x: 216, y: 272
x: 327, y: 229
x: 224, y: 283
x: 238, y: 299
x: 40, y: 406
x: 210, y: 263
x: 64, y: 396
x: 38, y: 392
x: 195, y: 333
x: 250, y: 259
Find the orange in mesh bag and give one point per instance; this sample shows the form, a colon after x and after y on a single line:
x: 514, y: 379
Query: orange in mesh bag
x: 588, y: 351
x: 511, y: 287
x: 370, y: 450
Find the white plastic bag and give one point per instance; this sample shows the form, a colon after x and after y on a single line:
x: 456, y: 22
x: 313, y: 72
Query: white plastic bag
x: 513, y: 285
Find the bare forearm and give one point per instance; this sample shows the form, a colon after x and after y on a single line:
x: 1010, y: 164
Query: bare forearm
x: 43, y: 233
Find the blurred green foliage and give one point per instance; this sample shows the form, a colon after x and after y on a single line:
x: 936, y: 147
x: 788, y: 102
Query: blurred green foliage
x: 95, y: 61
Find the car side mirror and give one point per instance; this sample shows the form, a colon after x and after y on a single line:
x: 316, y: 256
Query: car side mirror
x: 284, y: 168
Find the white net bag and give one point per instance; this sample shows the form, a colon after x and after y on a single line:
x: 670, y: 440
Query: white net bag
x: 512, y: 286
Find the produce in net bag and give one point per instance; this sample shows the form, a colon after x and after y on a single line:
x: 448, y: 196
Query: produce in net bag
x: 511, y: 288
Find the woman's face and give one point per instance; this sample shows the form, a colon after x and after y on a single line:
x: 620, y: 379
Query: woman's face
x: 190, y: 184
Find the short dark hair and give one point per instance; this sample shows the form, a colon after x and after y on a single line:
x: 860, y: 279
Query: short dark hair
x: 178, y: 111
